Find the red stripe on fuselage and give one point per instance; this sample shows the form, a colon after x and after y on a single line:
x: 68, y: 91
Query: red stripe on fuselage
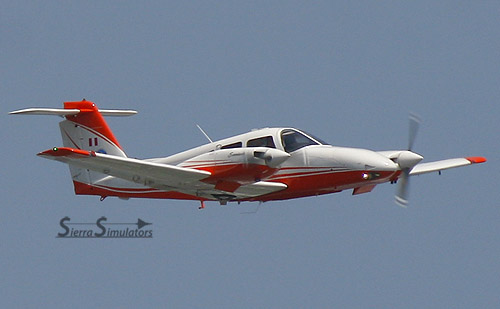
x: 317, y: 184
x: 86, y: 189
x: 298, y: 186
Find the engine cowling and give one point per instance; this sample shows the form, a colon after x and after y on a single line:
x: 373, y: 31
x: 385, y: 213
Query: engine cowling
x: 242, y: 165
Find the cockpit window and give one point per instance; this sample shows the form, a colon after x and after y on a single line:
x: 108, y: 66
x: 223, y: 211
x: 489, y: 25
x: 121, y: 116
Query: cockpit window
x: 322, y: 142
x: 266, y: 141
x: 293, y: 140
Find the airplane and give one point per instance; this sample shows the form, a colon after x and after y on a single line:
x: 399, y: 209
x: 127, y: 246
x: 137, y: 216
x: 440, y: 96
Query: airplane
x: 262, y: 165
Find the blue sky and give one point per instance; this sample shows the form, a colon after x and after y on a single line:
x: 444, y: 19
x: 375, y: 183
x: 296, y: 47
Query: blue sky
x: 349, y: 72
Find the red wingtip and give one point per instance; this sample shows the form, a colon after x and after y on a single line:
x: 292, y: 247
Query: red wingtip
x: 63, y: 152
x: 475, y: 160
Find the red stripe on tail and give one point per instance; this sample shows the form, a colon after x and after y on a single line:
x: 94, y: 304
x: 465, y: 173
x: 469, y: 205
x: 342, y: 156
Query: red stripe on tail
x: 89, y: 116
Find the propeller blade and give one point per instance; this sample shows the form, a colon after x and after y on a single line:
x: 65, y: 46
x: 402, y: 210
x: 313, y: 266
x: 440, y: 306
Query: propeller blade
x: 401, y: 197
x: 406, y: 161
x: 414, y: 124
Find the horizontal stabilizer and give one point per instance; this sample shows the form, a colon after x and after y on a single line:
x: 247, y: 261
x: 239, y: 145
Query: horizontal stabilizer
x: 117, y: 112
x: 68, y: 112
x: 437, y: 166
x: 46, y: 111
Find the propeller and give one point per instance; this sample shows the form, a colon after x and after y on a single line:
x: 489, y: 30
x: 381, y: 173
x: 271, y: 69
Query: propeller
x: 414, y: 124
x: 406, y: 161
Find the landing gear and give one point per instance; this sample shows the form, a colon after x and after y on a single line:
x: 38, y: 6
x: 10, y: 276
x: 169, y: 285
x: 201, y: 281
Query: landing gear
x: 222, y: 202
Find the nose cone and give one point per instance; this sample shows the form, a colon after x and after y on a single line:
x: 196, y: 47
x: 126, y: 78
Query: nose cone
x: 408, y: 159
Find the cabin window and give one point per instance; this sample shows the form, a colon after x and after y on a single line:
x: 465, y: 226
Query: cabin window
x: 293, y: 140
x: 233, y: 145
x: 266, y: 141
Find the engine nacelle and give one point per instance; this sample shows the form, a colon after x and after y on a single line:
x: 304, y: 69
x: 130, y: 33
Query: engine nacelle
x: 239, y: 164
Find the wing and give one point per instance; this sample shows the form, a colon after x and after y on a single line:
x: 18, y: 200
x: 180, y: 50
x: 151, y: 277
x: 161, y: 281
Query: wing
x: 146, y: 173
x: 437, y: 166
x: 157, y: 175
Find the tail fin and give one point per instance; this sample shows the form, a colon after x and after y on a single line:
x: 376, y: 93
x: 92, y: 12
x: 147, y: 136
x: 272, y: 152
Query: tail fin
x: 86, y: 129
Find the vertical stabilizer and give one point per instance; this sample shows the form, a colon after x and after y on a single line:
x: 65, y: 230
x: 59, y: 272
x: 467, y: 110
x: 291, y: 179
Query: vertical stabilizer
x: 88, y: 130
x: 85, y: 129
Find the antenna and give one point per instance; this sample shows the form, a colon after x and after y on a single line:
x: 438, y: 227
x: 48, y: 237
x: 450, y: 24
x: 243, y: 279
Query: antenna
x: 206, y: 135
x: 252, y: 212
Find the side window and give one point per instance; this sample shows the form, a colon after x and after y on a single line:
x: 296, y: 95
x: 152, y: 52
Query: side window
x: 233, y: 145
x: 261, y: 142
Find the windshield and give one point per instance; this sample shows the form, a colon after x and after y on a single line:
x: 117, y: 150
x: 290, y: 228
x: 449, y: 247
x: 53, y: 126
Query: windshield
x: 322, y: 142
x: 293, y: 140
